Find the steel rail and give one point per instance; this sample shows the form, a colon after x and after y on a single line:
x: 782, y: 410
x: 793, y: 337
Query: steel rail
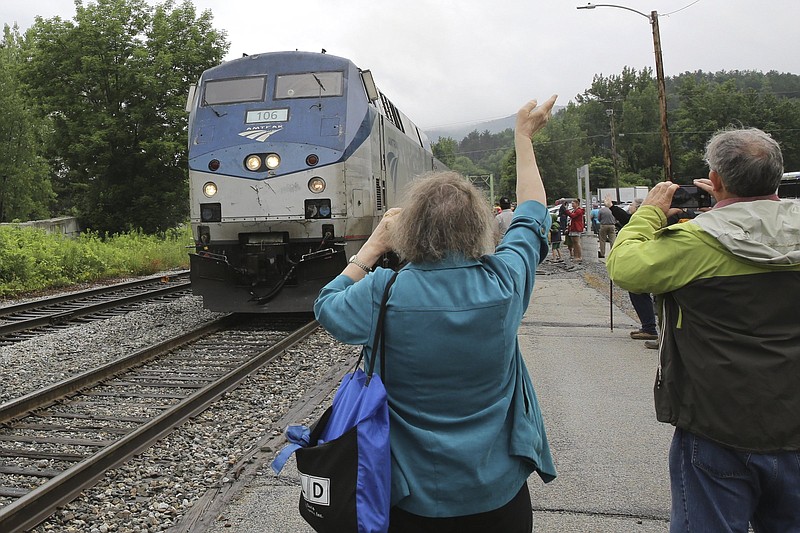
x: 45, y: 397
x: 40, y: 503
x: 88, y: 293
x: 61, y: 316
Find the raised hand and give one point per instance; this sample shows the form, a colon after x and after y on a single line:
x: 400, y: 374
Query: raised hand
x: 532, y: 117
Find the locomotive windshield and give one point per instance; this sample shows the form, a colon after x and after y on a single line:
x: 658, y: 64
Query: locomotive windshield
x: 309, y: 84
x: 234, y: 91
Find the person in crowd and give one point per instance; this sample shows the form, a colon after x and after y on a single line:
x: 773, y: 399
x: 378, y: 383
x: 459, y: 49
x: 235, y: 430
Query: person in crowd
x: 563, y: 214
x: 504, y: 217
x: 568, y: 240
x: 642, y: 302
x: 577, y: 225
x: 728, y: 282
x: 594, y: 214
x: 465, y: 426
x: 555, y: 239
x: 607, y: 229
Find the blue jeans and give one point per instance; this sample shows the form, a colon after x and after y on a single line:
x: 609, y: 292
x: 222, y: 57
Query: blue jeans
x: 717, y: 489
x: 643, y: 305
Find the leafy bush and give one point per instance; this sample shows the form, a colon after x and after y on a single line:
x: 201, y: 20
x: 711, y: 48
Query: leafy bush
x: 33, y: 260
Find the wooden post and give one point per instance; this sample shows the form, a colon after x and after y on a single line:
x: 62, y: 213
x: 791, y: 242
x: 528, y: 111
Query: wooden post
x: 662, y: 97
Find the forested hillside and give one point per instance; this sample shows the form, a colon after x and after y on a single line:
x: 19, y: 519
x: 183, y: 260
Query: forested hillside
x: 698, y: 104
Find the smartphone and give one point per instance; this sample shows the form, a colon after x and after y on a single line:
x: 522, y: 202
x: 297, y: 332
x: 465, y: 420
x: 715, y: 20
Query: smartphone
x: 690, y: 197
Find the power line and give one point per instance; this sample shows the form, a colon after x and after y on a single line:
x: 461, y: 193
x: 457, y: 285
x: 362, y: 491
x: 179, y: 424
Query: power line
x: 681, y: 9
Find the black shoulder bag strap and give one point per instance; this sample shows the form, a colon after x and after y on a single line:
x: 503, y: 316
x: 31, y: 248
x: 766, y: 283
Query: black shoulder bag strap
x: 379, y: 341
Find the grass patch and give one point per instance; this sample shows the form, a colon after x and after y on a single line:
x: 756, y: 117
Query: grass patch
x: 33, y: 260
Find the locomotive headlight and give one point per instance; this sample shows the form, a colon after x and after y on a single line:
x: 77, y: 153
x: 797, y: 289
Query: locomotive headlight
x: 253, y: 162
x: 210, y: 189
x: 316, y: 185
x: 272, y: 161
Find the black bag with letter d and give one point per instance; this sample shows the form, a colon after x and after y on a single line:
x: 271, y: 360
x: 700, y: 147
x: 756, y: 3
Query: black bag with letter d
x: 344, y: 459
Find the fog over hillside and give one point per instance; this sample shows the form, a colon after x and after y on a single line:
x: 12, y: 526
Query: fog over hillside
x: 459, y: 131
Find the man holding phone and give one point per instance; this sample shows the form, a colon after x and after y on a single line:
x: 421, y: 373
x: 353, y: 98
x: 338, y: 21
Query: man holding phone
x: 728, y: 284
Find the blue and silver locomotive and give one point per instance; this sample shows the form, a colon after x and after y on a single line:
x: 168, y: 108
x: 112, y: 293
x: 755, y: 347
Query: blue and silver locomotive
x: 293, y: 159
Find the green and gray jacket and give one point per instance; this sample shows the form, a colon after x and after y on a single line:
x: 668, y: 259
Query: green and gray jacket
x: 729, y: 288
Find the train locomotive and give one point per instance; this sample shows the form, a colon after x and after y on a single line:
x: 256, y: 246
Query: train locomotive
x: 293, y: 159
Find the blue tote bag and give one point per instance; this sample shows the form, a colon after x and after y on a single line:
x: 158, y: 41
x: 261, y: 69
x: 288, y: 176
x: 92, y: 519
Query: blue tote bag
x: 344, y: 459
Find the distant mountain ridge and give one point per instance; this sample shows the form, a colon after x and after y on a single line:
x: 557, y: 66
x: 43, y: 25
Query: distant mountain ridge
x: 459, y: 131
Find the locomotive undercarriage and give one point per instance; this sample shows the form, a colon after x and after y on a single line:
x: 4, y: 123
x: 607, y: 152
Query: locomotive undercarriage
x: 264, y: 273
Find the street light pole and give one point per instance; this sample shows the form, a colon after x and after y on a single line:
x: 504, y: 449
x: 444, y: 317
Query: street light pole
x: 662, y: 91
x: 662, y: 96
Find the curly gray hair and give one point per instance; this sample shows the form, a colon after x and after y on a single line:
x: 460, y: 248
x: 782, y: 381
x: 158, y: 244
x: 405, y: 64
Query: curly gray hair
x: 444, y: 214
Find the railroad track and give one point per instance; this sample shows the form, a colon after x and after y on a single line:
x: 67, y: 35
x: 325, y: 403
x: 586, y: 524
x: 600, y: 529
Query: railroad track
x: 58, y: 441
x: 23, y: 321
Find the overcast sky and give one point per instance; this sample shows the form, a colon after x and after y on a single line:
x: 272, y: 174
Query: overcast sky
x: 447, y: 62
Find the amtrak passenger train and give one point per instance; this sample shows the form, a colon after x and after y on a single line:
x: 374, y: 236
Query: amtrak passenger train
x: 293, y: 159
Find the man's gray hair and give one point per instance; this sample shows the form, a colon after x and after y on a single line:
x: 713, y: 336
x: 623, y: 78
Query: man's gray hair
x: 748, y: 160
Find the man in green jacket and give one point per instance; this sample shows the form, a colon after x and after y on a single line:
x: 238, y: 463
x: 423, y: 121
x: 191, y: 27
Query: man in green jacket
x: 728, y: 378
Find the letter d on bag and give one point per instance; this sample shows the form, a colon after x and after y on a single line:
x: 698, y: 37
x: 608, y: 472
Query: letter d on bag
x: 316, y: 490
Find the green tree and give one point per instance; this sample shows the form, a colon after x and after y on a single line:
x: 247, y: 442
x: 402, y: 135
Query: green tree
x: 445, y: 150
x: 638, y: 142
x: 507, y: 184
x: 562, y: 148
x: 25, y: 189
x: 609, y: 93
x: 723, y: 101
x: 466, y: 166
x: 492, y: 158
x: 483, y: 153
x: 601, y: 173
x: 115, y: 82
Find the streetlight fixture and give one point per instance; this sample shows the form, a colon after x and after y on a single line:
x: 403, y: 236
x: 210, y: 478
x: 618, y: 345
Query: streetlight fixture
x: 662, y: 91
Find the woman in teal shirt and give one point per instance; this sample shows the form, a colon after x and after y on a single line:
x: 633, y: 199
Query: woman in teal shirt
x: 465, y: 427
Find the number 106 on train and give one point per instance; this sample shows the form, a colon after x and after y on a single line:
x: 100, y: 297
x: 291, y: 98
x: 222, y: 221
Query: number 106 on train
x: 267, y: 115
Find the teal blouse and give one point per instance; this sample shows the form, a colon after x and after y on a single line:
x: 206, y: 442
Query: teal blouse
x: 465, y: 426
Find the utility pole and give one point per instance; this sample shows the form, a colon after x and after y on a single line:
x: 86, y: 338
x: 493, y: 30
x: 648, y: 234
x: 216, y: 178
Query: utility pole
x: 484, y: 182
x: 662, y: 97
x: 610, y: 113
x: 662, y: 91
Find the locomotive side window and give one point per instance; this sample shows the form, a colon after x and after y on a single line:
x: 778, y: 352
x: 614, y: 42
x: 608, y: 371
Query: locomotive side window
x: 391, y: 113
x: 309, y: 84
x: 234, y: 91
